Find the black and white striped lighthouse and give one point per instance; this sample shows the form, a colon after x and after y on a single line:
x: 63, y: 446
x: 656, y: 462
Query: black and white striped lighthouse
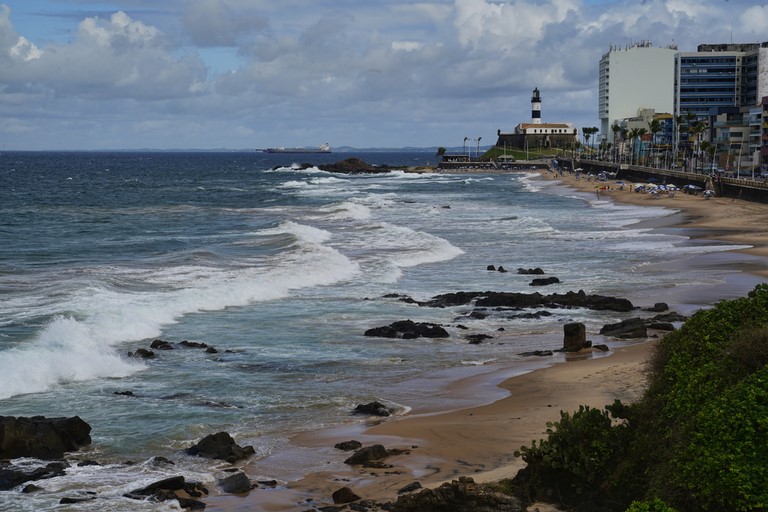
x: 536, y: 107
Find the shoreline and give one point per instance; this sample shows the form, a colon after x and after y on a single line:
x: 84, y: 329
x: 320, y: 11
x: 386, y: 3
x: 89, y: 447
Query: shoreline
x: 478, y: 441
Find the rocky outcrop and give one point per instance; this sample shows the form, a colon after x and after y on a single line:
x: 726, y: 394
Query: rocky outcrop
x: 544, y: 281
x: 221, y: 446
x: 354, y: 166
x: 629, y: 328
x: 348, y: 446
x: 372, y: 409
x: 237, y: 483
x: 462, y: 495
x: 344, y: 495
x: 408, y: 329
x: 527, y: 271
x: 574, y: 337
x: 173, y: 488
x: 369, y: 456
x: 40, y: 437
x: 530, y: 300
x: 11, y: 476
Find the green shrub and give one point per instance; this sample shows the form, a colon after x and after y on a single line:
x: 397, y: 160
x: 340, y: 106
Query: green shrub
x: 655, y: 505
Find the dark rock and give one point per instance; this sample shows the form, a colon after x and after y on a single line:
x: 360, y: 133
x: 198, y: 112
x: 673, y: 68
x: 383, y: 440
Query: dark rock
x: 364, y: 456
x: 372, y: 409
x: 629, y: 328
x: 12, y: 476
x: 344, y: 495
x: 86, y: 463
x: 348, y: 446
x: 408, y: 329
x: 123, y: 393
x: 478, y: 315
x: 537, y: 353
x: 211, y: 350
x: 544, y: 281
x: 221, y: 446
x: 602, y: 347
x: 575, y: 337
x: 476, y: 339
x: 354, y: 166
x: 190, y: 504
x: 502, y: 269
x: 161, y: 345
x: 529, y: 300
x: 236, y: 484
x: 174, y: 483
x: 670, y: 317
x: 31, y: 488
x: 462, y: 495
x: 490, y: 267
x: 268, y: 483
x: 414, y: 486
x: 659, y: 307
x: 661, y: 326
x: 535, y: 271
x: 40, y: 437
x: 192, y: 344
x: 68, y: 500
x: 535, y: 315
x: 142, y: 353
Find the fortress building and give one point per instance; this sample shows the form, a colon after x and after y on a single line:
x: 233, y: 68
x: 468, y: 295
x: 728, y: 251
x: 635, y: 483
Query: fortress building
x: 537, y: 133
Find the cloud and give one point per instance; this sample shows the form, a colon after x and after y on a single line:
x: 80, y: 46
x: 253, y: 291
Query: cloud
x: 754, y: 20
x: 108, y: 58
x: 222, y: 22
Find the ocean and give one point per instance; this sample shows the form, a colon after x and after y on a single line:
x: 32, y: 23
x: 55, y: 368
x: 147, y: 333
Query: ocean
x: 282, y: 270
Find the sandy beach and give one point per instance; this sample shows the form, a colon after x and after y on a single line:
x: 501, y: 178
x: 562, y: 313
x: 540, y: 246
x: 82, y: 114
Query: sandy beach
x: 480, y: 441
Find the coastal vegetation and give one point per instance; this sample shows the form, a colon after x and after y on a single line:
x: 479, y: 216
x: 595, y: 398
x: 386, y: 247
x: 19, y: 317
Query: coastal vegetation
x: 697, y: 440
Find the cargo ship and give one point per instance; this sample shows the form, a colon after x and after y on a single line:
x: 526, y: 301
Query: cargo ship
x: 322, y: 148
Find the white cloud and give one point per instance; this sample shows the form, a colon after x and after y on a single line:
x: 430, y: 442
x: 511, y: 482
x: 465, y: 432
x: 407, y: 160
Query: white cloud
x: 755, y: 21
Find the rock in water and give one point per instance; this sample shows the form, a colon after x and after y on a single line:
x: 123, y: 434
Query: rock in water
x: 41, y: 437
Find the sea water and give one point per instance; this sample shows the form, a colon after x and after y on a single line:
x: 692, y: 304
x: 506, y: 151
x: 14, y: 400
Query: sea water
x: 281, y: 269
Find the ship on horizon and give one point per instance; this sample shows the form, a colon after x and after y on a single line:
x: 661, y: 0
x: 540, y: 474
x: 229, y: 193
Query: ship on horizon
x: 322, y: 148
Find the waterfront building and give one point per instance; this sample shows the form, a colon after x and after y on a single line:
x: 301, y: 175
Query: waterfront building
x: 632, y: 78
x: 536, y: 133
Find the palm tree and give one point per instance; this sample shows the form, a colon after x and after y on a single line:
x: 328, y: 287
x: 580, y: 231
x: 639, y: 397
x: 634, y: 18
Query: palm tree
x: 440, y: 153
x: 640, y: 133
x: 654, y: 127
x: 616, y: 129
x: 696, y: 130
x: 633, y: 134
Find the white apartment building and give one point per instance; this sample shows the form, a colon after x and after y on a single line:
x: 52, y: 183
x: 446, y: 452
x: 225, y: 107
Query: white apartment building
x: 634, y: 77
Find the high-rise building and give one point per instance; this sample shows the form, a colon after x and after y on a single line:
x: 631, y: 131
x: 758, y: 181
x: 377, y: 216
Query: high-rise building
x: 634, y: 77
x: 720, y: 75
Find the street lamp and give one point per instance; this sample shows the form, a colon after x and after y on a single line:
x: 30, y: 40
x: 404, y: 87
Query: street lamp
x: 464, y: 150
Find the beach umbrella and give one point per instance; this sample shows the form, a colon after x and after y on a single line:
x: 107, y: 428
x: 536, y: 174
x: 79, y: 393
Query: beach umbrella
x: 693, y: 187
x: 578, y: 169
x: 620, y: 183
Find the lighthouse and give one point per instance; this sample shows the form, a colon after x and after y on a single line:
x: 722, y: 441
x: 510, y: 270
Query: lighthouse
x: 536, y: 107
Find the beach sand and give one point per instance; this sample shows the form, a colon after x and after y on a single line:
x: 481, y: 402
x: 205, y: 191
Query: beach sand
x: 480, y: 441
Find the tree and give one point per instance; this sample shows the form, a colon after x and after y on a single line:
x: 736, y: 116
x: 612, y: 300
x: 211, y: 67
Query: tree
x: 616, y: 129
x: 588, y: 132
x: 654, y: 126
x: 441, y: 153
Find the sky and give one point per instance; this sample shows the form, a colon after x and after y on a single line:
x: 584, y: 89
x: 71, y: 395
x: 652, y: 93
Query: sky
x: 247, y: 74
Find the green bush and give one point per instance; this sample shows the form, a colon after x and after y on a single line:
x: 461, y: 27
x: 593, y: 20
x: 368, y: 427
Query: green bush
x: 655, y: 505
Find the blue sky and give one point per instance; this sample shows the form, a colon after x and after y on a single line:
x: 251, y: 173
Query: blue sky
x: 244, y: 74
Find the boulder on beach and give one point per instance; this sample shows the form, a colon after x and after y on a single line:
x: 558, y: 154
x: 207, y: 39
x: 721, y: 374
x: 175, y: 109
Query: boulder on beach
x: 372, y: 409
x: 221, y: 446
x: 544, y: 281
x: 629, y: 328
x: 574, y: 337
